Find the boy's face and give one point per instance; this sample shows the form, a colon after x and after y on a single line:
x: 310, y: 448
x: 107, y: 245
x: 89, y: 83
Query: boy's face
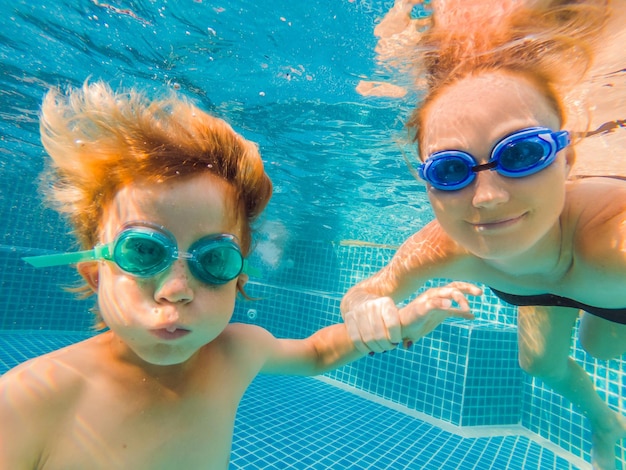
x: 167, y: 318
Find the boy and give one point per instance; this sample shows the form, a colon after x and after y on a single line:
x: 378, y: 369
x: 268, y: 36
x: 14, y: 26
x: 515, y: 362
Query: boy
x: 162, y: 197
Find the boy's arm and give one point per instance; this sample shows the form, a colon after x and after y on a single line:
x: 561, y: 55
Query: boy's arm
x: 326, y: 349
x: 333, y: 346
x: 14, y: 445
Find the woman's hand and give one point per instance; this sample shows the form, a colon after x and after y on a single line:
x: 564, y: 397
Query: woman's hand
x: 431, y: 308
x: 378, y: 325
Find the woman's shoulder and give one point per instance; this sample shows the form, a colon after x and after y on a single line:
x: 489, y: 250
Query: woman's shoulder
x: 596, y: 198
x: 430, y: 250
x: 433, y: 237
x: 596, y: 214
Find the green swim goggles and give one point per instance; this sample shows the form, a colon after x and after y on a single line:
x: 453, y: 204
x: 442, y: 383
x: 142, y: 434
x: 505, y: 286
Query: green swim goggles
x: 144, y: 250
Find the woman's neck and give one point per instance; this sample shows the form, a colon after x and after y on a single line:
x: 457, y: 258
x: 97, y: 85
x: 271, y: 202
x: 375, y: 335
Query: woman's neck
x: 551, y: 257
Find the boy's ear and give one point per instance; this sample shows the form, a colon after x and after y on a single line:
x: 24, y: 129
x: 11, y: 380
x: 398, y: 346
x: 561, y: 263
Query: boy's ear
x: 242, y: 280
x: 90, y: 273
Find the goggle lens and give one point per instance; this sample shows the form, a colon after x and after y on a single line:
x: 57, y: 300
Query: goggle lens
x: 450, y: 170
x: 522, y: 155
x: 142, y: 253
x: 216, y: 261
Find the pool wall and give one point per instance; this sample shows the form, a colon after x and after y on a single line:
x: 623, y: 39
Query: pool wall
x: 464, y: 374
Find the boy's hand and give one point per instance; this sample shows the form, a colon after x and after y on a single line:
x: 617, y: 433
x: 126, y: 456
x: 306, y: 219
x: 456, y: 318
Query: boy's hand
x: 378, y: 325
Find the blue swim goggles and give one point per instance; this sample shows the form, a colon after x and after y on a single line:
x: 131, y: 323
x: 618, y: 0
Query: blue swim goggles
x: 144, y: 250
x: 519, y: 154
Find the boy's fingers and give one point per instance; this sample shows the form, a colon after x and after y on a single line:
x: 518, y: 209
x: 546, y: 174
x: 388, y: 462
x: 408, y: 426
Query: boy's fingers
x: 374, y: 326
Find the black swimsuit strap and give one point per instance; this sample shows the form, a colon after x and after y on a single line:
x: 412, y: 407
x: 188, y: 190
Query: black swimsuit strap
x: 616, y: 315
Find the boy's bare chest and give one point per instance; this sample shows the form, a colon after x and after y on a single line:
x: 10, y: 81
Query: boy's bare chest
x: 111, y: 429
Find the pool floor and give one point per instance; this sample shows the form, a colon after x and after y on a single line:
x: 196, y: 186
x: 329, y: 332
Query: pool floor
x: 305, y: 423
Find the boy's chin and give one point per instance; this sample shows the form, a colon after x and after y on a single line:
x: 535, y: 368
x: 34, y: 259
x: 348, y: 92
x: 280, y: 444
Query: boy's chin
x: 164, y: 355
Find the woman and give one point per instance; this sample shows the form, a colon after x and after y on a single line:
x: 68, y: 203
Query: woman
x: 497, y: 130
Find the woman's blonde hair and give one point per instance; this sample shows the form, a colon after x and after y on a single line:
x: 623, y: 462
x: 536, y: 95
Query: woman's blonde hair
x: 100, y: 140
x: 550, y: 43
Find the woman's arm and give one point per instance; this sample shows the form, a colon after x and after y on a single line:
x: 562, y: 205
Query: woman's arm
x: 421, y: 257
x: 428, y: 254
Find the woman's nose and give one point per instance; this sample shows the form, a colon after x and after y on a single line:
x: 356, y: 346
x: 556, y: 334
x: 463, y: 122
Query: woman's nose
x: 489, y: 190
x: 173, y: 284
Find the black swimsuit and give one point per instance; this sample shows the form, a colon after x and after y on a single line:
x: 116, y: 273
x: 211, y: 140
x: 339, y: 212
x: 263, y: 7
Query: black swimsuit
x: 616, y: 315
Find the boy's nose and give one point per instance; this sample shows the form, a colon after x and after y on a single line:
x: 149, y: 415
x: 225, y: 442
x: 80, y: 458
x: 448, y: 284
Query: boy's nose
x: 489, y: 190
x: 173, y: 285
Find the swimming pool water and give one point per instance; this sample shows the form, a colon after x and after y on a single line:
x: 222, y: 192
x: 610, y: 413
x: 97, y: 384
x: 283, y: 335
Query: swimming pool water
x: 460, y: 386
x: 284, y: 76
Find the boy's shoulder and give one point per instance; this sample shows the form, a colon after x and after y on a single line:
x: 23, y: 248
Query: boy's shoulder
x: 244, y: 337
x: 245, y: 345
x: 50, y: 376
x: 37, y: 395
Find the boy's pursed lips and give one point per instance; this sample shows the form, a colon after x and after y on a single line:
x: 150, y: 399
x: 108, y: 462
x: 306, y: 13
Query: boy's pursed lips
x: 170, y: 332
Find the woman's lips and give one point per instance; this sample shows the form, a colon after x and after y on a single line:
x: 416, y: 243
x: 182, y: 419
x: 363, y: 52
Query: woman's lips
x: 497, y: 224
x: 170, y: 333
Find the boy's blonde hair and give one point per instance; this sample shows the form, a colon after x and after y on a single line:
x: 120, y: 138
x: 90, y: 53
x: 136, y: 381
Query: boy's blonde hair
x: 100, y: 140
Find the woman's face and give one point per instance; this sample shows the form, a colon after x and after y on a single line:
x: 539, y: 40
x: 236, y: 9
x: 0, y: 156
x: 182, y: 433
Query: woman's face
x: 494, y: 217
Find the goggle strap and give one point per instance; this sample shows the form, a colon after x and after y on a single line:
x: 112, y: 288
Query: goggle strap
x: 417, y: 174
x: 250, y: 270
x: 59, y: 259
x: 563, y: 139
x: 485, y: 166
